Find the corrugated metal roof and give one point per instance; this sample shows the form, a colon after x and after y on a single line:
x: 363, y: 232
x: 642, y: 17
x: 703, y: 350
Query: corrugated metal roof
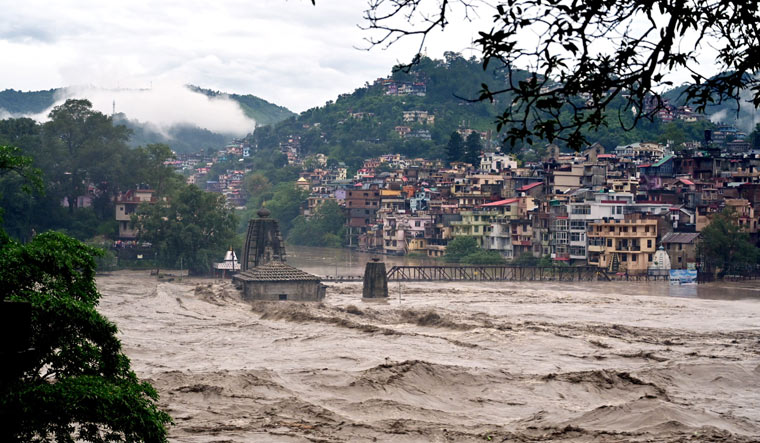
x: 276, y: 271
x: 680, y: 237
x: 662, y: 161
x: 501, y: 202
x: 529, y: 186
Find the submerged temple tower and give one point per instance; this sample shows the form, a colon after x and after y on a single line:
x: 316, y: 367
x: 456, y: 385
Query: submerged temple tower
x: 264, y: 275
x: 263, y: 242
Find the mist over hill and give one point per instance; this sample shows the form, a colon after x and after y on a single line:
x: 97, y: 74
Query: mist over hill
x: 188, y: 118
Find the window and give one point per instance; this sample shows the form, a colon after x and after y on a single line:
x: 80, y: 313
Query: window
x: 633, y: 257
x: 576, y: 236
x: 650, y: 257
x: 283, y: 297
x: 623, y: 257
x: 581, y: 209
x: 609, y: 242
x: 649, y: 243
x: 578, y: 225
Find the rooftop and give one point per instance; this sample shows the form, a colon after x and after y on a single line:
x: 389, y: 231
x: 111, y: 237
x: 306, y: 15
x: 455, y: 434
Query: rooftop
x: 276, y: 271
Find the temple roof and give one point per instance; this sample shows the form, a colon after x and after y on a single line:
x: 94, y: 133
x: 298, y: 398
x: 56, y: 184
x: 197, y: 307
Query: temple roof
x: 275, y: 271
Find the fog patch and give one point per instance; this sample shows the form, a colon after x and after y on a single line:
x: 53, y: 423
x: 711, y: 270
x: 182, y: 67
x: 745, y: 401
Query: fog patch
x: 164, y: 106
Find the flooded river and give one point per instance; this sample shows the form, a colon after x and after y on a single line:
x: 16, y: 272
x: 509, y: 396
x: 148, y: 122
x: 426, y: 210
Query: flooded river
x: 446, y: 361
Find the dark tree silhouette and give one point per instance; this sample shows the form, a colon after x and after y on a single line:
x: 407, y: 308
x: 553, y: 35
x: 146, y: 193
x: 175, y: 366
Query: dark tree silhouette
x: 472, y: 149
x: 455, y: 148
x: 568, y: 64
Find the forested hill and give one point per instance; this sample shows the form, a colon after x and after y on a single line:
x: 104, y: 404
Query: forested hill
x: 371, y: 120
x: 26, y: 103
x: 184, y: 137
x: 18, y: 103
x: 264, y: 112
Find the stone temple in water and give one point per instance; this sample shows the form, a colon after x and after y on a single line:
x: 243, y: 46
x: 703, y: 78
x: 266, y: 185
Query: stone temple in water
x: 264, y: 274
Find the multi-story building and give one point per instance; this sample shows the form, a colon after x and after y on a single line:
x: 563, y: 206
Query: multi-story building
x: 626, y: 245
x: 580, y: 214
x: 125, y: 205
x: 362, y: 204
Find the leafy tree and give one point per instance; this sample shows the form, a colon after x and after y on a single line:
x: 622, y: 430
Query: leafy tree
x: 73, y: 382
x: 285, y: 205
x: 455, y: 148
x: 460, y: 247
x: 153, y: 168
x: 725, y: 247
x: 86, y: 146
x: 473, y: 147
x: 192, y: 229
x: 526, y: 259
x: 615, y: 54
x: 754, y: 137
x: 76, y: 383
x: 256, y: 184
x: 325, y: 228
x: 483, y: 257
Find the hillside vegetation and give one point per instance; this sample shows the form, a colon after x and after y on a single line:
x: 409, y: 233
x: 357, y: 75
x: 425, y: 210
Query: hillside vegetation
x: 370, y: 120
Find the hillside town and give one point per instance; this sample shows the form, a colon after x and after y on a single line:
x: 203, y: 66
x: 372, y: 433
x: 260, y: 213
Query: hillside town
x: 609, y: 208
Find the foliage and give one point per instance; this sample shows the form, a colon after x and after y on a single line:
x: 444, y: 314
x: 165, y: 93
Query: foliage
x: 76, y: 383
x: 325, y: 228
x: 260, y: 110
x: 455, y: 148
x: 85, y: 144
x: 754, y: 138
x: 483, y: 257
x: 191, y: 229
x: 459, y: 247
x: 32, y: 102
x: 285, y: 205
x: 615, y: 54
x: 472, y: 149
x: 724, y: 246
x: 526, y: 259
x: 181, y: 137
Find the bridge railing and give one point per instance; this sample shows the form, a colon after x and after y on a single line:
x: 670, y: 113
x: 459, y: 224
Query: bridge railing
x: 495, y: 273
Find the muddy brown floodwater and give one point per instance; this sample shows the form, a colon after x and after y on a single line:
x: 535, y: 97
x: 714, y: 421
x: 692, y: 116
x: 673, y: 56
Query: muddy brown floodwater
x: 450, y: 362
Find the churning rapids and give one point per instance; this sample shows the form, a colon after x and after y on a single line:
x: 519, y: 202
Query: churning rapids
x: 449, y: 362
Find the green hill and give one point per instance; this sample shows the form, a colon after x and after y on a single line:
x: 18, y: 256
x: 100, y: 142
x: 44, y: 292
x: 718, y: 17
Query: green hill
x: 181, y: 137
x: 24, y: 103
x: 371, y: 120
x: 262, y: 111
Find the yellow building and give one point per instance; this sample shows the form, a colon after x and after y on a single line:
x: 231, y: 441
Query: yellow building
x: 622, y: 245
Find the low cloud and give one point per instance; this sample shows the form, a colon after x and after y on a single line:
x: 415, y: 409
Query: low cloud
x: 163, y: 106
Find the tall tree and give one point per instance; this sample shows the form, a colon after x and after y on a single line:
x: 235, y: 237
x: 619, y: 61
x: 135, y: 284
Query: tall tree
x: 88, y: 149
x: 192, y: 228
x: 155, y: 171
x: 725, y: 247
x: 70, y: 380
x: 455, y: 148
x: 473, y: 148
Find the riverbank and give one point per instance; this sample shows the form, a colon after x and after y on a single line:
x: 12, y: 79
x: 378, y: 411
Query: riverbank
x: 451, y: 362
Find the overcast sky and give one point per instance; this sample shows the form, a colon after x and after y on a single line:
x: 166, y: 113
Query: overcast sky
x: 287, y: 52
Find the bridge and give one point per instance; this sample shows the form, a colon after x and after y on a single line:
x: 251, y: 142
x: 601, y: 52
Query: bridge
x: 495, y: 273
